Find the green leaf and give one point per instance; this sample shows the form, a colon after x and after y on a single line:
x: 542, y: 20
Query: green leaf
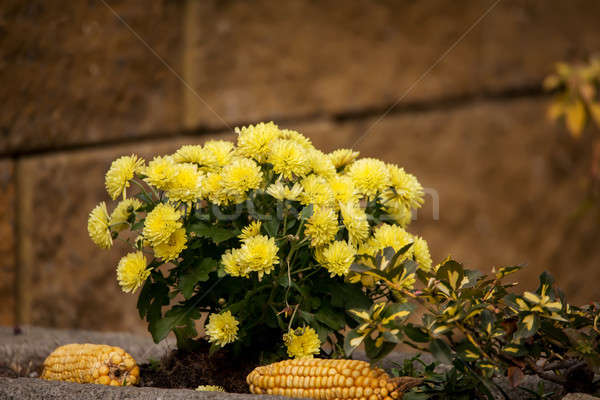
x: 215, y: 233
x: 272, y: 226
x: 330, y: 318
x: 145, y: 298
x: 441, y: 351
x: 527, y: 326
x: 138, y: 225
x: 358, y: 267
x: 416, y: 334
x: 514, y: 350
x: 306, y: 212
x: 505, y: 271
x: 452, y: 273
x: 397, y: 311
x: 352, y: 341
x: 399, y: 253
x: 198, y: 273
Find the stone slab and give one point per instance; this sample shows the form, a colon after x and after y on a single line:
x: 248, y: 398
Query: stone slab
x: 509, y: 186
x: 7, y: 241
x: 77, y: 74
x: 262, y: 60
x: 579, y: 396
x: 24, y: 354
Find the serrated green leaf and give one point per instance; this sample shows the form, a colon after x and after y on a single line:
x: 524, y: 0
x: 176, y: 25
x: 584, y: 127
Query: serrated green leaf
x: 216, y: 233
x: 197, y: 273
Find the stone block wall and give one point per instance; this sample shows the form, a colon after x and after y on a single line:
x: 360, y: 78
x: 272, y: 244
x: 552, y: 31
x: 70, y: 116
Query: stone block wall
x: 450, y: 90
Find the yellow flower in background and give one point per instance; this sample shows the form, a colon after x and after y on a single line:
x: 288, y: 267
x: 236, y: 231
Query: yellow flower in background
x: 356, y: 222
x: 222, y: 328
x: 321, y: 164
x: 186, y: 185
x: 232, y: 263
x: 342, y: 157
x: 405, y: 189
x: 296, y: 137
x: 194, y: 154
x: 259, y: 254
x: 160, y: 172
x: 302, y: 342
x: 98, y: 226
x: 317, y: 191
x: 282, y: 192
x: 370, y: 176
x: 132, y: 272
x: 239, y: 177
x: 253, y: 229
x: 160, y: 224
x: 337, y: 258
x: 343, y: 189
x: 172, y: 247
x: 420, y: 250
x: 322, y: 226
x: 210, y: 388
x: 288, y: 159
x: 222, y: 152
x: 386, y: 235
x: 121, y: 171
x: 254, y: 140
x: 122, y: 212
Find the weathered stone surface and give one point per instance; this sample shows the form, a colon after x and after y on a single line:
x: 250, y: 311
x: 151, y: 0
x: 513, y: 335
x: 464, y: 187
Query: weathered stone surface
x: 509, y: 185
x: 27, y: 388
x: 7, y: 241
x: 76, y: 74
x: 579, y: 396
x: 75, y: 282
x: 24, y: 354
x: 258, y: 60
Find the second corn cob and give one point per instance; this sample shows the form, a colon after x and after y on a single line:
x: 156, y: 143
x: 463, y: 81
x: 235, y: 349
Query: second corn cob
x: 91, y: 363
x: 321, y: 379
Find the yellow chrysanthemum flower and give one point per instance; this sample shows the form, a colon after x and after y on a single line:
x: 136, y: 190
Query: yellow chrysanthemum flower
x: 405, y: 188
x: 221, y: 150
x: 259, y: 254
x: 370, y: 176
x: 282, y: 192
x: 98, y: 226
x: 132, y: 272
x: 296, y: 137
x: 342, y: 157
x: 317, y: 191
x: 398, y: 212
x: 239, y: 177
x: 222, y: 328
x: 186, y: 185
x: 121, y: 213
x: 212, y: 189
x: 210, y: 388
x: 232, y: 263
x: 160, y: 172
x: 356, y: 222
x: 343, y: 189
x: 121, y: 171
x: 194, y: 154
x: 254, y: 140
x: 337, y: 257
x: 289, y: 159
x: 251, y: 230
x: 321, y: 164
x: 386, y: 235
x: 172, y: 247
x: 322, y: 226
x: 420, y: 250
x: 160, y: 224
x: 302, y: 342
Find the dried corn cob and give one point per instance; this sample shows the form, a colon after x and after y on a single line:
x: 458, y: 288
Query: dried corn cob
x: 321, y: 379
x: 91, y: 363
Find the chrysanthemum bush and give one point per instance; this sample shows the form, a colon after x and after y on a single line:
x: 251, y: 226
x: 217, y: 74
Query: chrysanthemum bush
x: 280, y: 244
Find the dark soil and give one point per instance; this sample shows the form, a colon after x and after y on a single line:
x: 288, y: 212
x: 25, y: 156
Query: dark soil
x: 189, y: 369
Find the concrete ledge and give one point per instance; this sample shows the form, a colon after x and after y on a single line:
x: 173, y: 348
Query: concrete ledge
x: 25, y: 353
x: 28, y: 388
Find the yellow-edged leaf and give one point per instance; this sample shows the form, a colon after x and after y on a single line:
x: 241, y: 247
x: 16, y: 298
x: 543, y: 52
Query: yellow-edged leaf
x: 531, y: 297
x: 528, y: 321
x: 556, y: 109
x: 595, y: 112
x: 360, y: 314
x: 575, y: 114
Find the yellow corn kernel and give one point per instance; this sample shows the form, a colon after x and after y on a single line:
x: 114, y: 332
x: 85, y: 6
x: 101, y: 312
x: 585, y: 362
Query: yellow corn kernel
x: 91, y: 363
x: 324, y: 380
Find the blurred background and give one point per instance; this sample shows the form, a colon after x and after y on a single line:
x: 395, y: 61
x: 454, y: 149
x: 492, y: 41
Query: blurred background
x: 452, y: 91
